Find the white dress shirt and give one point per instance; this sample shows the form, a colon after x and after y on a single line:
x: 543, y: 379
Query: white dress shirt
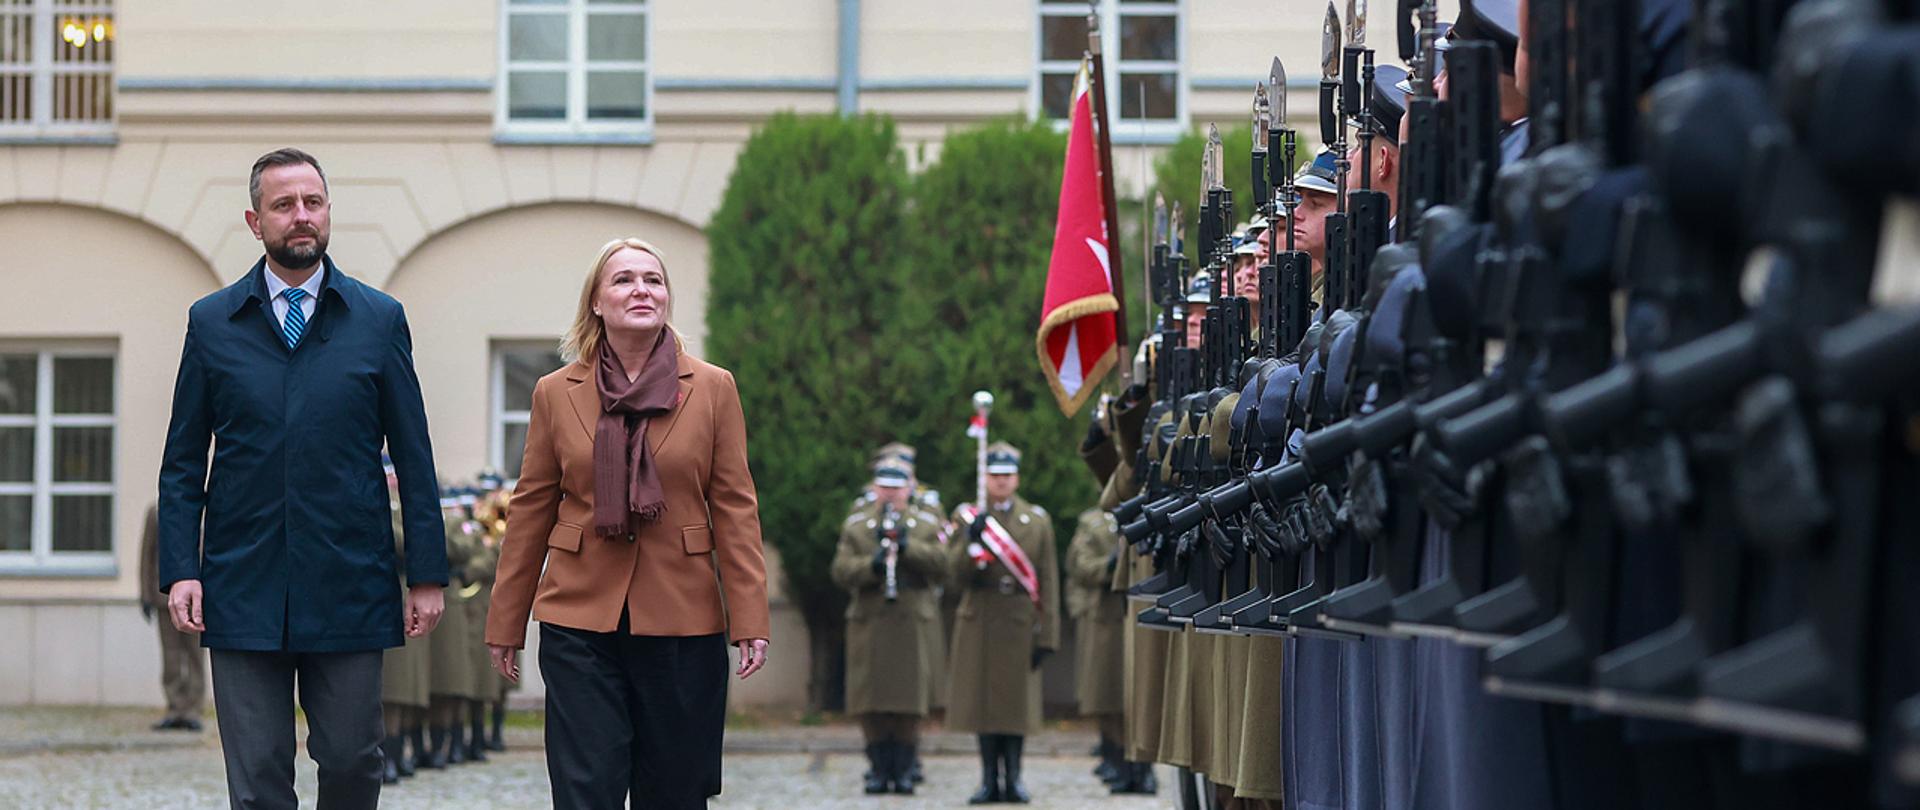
x: 275, y: 287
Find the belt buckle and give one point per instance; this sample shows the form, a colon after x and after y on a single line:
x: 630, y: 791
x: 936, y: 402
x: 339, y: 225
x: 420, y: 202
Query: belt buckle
x: 1006, y: 584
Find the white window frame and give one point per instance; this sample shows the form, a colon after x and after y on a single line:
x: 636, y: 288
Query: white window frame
x: 498, y: 416
x: 41, y: 559
x: 576, y: 66
x: 1110, y: 12
x: 40, y: 122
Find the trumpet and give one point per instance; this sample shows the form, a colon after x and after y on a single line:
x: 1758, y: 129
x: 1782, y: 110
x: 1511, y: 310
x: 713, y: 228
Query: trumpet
x: 890, y: 540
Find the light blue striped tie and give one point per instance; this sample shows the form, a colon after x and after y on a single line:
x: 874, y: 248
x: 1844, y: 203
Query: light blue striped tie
x: 296, y: 324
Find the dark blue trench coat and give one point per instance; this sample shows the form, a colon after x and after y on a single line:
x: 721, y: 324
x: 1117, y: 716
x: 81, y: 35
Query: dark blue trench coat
x: 289, y: 530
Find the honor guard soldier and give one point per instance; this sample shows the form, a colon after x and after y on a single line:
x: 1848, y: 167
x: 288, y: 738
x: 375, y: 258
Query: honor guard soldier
x: 889, y: 559
x: 1100, y: 627
x: 1008, y: 573
x: 406, y: 680
x: 453, y: 677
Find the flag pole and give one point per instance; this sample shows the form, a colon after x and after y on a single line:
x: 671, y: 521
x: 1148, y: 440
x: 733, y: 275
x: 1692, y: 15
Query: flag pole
x: 1116, y: 276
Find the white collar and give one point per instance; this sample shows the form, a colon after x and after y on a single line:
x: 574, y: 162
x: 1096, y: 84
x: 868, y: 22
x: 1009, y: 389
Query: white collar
x: 1003, y: 506
x: 275, y: 286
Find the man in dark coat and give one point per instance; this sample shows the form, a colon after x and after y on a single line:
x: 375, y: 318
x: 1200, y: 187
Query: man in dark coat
x: 281, y: 555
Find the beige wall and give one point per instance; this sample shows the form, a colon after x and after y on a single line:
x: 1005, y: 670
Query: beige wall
x: 336, y: 38
x: 918, y: 39
x: 746, y: 39
x: 65, y: 271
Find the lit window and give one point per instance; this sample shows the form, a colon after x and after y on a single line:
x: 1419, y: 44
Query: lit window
x: 56, y: 68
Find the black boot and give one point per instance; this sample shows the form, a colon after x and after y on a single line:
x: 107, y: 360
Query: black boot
x: 477, y: 739
x: 402, y: 759
x: 390, y: 761
x: 498, y: 743
x: 900, y: 767
x: 876, y: 769
x: 915, y: 772
x: 989, y: 791
x: 456, y: 741
x: 422, y: 753
x: 438, y: 758
x: 1108, y: 769
x: 1144, y: 782
x: 1010, y: 748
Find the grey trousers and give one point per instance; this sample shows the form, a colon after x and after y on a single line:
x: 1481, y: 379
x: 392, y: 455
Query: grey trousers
x: 253, y: 696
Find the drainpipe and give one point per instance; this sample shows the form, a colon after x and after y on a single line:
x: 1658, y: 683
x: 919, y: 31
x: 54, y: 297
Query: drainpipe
x: 848, y: 84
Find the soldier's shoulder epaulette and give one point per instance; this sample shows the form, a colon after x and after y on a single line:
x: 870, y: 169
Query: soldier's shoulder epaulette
x: 857, y: 516
x: 1037, y: 510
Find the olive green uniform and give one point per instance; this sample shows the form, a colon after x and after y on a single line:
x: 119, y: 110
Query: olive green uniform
x: 994, y: 688
x: 889, y: 668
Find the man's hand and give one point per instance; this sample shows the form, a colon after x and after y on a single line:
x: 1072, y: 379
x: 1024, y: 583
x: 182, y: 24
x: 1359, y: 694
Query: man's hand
x: 753, y: 656
x: 424, y: 605
x: 184, y: 605
x: 1040, y: 656
x: 506, y: 661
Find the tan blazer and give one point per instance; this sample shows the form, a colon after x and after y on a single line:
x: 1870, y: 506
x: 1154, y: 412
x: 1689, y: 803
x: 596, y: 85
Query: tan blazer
x: 697, y: 570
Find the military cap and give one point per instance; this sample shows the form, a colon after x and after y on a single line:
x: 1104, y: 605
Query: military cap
x: 899, y: 450
x: 893, y: 467
x: 1249, y: 246
x: 1257, y: 226
x: 1388, y: 101
x: 1200, y: 289
x: 1002, y: 459
x: 1495, y: 21
x: 1319, y: 173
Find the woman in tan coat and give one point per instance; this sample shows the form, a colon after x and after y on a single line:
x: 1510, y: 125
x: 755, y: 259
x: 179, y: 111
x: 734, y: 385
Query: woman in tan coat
x: 635, y: 499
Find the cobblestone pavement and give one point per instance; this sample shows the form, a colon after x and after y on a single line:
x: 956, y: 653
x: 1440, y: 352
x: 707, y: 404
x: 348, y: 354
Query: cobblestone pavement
x: 192, y: 777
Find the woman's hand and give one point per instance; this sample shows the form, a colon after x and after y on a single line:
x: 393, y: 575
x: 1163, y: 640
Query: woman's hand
x: 506, y: 661
x: 753, y: 656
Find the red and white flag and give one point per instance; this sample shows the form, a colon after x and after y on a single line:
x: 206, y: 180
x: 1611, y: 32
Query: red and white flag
x: 1079, y: 340
x: 977, y: 426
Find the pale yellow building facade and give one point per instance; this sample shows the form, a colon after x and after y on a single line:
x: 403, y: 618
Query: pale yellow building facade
x: 478, y: 152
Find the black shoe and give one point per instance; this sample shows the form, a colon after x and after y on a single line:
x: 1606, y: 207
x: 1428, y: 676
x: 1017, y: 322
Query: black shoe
x: 497, y: 742
x: 915, y: 772
x: 390, y: 761
x: 1011, y: 747
x: 989, y: 792
x: 422, y: 754
x: 876, y: 778
x: 166, y: 724
x: 187, y: 724
x: 437, y: 755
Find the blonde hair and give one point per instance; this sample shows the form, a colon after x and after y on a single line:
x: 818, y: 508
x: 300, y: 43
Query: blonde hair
x: 584, y: 337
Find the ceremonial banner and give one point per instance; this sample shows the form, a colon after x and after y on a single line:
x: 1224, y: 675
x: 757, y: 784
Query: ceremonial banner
x: 1079, y: 339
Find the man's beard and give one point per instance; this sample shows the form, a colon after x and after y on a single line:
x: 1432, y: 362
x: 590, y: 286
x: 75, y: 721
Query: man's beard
x: 298, y: 258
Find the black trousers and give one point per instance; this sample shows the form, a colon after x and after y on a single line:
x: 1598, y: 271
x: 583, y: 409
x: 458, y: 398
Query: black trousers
x: 253, y: 699
x: 633, y: 716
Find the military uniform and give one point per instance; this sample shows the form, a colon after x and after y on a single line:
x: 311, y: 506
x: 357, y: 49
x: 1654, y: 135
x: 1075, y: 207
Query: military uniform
x: 995, y: 685
x: 1099, y: 627
x: 183, y: 665
x: 487, y: 685
x: 452, y: 657
x: 891, y: 666
x: 406, y: 687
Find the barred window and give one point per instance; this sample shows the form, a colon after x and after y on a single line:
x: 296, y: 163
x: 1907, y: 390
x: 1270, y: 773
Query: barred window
x: 516, y: 367
x: 574, y: 66
x: 57, y: 438
x: 1141, y: 42
x: 56, y: 68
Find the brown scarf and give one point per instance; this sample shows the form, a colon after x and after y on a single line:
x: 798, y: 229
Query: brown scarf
x: 626, y: 487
